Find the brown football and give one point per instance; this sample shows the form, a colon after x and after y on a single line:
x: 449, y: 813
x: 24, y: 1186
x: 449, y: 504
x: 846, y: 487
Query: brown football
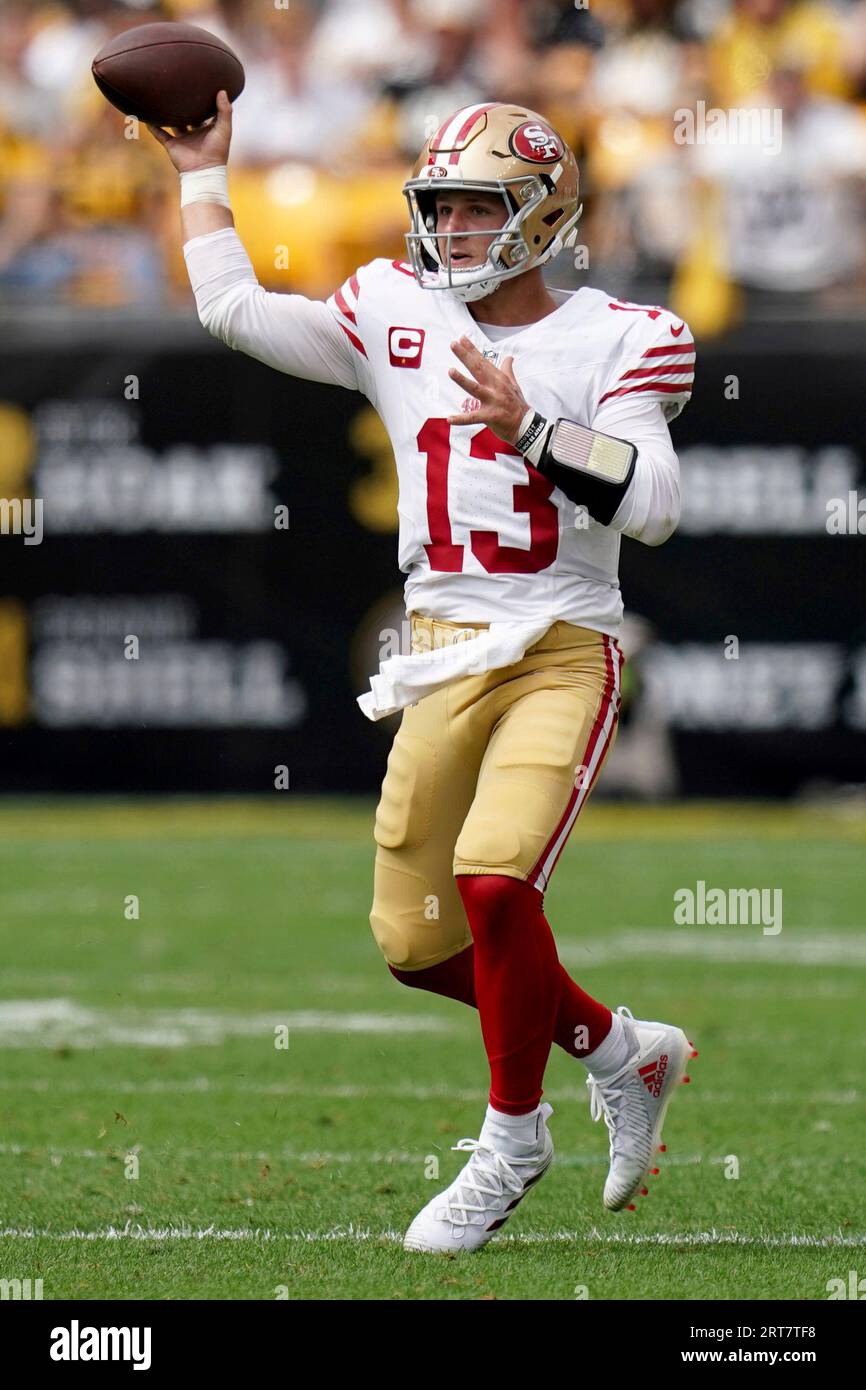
x: 167, y: 73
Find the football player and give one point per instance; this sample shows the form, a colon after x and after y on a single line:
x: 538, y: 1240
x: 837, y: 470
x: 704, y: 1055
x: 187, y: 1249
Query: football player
x: 530, y: 432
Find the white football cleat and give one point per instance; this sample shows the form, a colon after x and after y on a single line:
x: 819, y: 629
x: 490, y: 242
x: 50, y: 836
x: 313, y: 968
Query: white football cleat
x: 633, y: 1102
x: 482, y: 1196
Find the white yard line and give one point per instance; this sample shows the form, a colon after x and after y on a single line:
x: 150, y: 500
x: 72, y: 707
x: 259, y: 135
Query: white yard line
x: 63, y: 1022
x: 350, y: 1233
x: 116, y: 1150
x: 743, y: 945
x: 178, y: 982
x: 203, y: 1085
x: 39, y: 1023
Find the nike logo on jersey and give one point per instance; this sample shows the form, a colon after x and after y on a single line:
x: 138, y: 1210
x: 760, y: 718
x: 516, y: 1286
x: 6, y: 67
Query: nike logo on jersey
x: 677, y: 331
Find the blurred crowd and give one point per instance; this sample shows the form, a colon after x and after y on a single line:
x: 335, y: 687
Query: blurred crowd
x: 722, y: 143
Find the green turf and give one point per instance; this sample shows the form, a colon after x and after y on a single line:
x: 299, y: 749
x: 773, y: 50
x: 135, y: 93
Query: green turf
x: 253, y: 914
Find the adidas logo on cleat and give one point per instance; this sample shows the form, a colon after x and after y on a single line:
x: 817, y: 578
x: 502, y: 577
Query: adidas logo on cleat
x: 653, y: 1075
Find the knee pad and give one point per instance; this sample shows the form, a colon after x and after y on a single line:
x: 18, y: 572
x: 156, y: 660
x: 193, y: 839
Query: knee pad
x: 415, y: 927
x: 489, y: 842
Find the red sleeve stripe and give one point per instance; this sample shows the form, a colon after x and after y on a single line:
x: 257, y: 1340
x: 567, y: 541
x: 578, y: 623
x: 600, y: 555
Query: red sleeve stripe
x: 356, y: 342
x: 349, y: 290
x: 657, y: 369
x: 678, y: 350
x: 680, y: 388
x: 343, y: 306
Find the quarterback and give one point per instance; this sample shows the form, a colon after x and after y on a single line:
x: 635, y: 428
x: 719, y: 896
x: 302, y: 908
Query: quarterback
x: 530, y: 432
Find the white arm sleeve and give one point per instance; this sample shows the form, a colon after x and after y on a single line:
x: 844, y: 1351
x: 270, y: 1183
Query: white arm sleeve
x: 650, y: 509
x: 287, y: 331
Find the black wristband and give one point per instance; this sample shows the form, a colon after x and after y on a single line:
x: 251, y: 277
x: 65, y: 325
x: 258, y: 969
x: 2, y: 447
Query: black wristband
x: 536, y: 425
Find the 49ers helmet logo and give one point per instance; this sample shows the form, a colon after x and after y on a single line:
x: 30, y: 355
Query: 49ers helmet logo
x: 537, y: 142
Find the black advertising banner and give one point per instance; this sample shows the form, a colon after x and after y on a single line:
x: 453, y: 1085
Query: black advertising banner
x: 752, y: 666
x: 198, y: 572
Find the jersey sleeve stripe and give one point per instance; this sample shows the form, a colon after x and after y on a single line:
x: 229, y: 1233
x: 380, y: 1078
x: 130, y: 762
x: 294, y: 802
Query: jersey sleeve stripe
x: 660, y: 369
x: 356, y: 342
x: 340, y: 301
x: 348, y: 294
x: 676, y: 388
x: 678, y: 350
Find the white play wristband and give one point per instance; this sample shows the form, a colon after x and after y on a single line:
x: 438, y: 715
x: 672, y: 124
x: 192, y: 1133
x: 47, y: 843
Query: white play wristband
x: 205, y: 186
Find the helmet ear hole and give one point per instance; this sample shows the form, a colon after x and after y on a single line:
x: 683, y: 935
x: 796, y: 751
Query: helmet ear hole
x: 426, y: 201
x: 427, y: 208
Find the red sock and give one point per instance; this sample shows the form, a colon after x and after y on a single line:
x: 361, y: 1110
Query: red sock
x: 455, y: 979
x: 578, y: 1010
x: 517, y: 985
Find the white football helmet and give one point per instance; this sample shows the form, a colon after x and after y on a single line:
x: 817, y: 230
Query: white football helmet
x: 497, y: 147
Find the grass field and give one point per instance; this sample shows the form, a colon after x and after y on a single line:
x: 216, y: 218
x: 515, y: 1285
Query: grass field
x: 296, y: 1170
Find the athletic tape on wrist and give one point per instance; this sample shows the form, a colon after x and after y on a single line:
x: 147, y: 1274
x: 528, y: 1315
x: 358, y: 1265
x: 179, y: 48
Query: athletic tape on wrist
x: 534, y: 430
x: 205, y: 186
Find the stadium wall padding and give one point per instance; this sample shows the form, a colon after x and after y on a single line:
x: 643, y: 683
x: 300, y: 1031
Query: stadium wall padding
x: 217, y: 570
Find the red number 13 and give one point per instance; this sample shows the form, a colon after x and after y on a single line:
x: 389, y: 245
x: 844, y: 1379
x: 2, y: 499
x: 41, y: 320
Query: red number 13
x: 531, y: 498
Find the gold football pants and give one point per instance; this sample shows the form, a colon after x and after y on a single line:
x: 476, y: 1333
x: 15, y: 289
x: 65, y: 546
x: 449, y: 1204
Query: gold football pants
x: 487, y: 776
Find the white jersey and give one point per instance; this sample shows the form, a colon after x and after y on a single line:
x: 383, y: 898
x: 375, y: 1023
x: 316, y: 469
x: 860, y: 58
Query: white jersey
x: 484, y: 538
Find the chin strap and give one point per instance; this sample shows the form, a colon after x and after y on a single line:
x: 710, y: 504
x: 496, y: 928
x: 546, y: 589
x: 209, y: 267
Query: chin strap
x: 470, y: 294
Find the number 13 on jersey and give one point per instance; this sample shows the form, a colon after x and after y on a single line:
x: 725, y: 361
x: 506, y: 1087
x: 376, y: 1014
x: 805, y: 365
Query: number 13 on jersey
x: 532, y: 498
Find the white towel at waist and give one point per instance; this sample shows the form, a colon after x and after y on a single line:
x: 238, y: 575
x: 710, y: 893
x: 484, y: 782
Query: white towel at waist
x: 403, y: 680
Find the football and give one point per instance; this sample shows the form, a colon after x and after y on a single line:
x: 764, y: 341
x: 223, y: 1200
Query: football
x: 167, y: 74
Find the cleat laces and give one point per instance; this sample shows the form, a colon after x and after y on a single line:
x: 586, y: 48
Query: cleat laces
x: 488, y: 1174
